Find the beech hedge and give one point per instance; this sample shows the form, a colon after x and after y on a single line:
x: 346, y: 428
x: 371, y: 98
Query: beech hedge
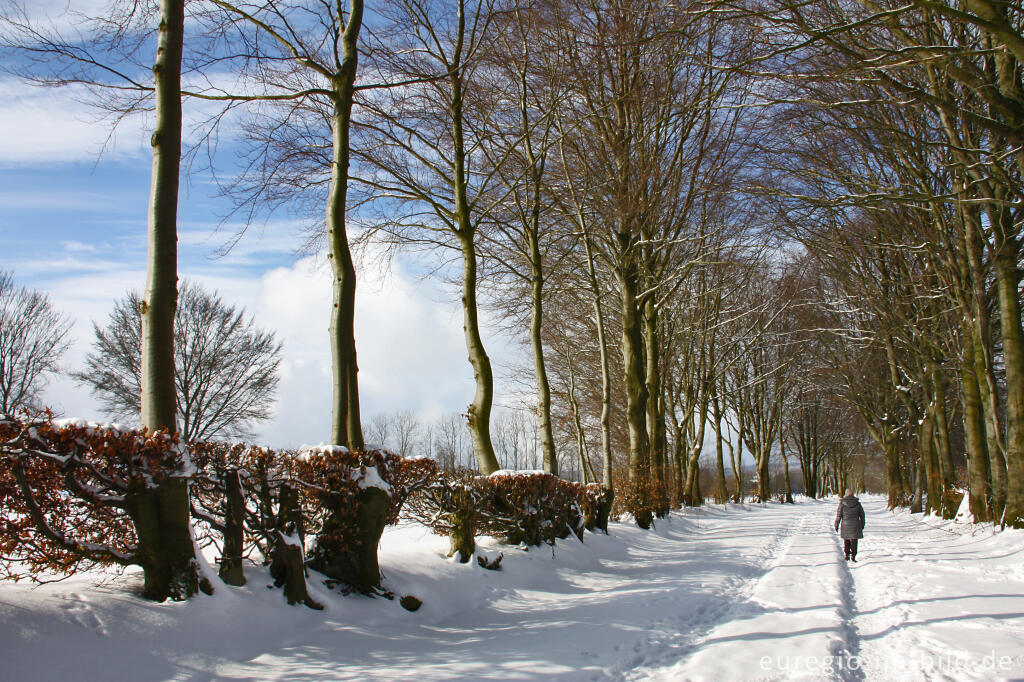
x: 70, y: 491
x: 518, y: 507
x: 66, y: 500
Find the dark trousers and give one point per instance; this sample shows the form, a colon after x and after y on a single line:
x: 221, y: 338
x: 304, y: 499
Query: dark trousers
x: 850, y: 547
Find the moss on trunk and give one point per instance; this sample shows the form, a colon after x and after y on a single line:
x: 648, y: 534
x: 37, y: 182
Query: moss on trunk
x: 165, y: 548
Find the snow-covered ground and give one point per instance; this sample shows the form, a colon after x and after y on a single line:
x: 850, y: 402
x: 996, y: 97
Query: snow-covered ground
x: 718, y: 593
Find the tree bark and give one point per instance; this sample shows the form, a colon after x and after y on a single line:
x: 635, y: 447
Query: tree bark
x: 635, y: 381
x: 930, y: 462
x: 158, y: 400
x: 655, y: 414
x: 736, y: 459
x: 479, y: 411
x: 165, y: 550
x: 721, y: 491
x: 287, y: 559
x: 978, y: 484
x: 586, y: 469
x: 947, y: 472
x: 161, y: 513
x: 655, y: 423
x: 346, y: 424
x: 547, y: 441
x: 785, y: 464
x: 1007, y: 283
x: 984, y: 364
x: 234, y: 531
x: 692, y: 494
x: 764, y: 486
x: 346, y: 547
x: 606, y: 378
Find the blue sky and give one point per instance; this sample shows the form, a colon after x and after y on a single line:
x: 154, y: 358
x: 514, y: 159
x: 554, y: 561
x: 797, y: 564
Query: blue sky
x: 73, y: 224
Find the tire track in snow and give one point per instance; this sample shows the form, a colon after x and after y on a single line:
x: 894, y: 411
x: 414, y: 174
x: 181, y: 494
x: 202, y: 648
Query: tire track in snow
x: 681, y: 636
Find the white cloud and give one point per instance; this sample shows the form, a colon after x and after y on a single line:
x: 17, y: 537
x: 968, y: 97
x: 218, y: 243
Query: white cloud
x: 409, y: 345
x: 408, y: 335
x: 45, y: 125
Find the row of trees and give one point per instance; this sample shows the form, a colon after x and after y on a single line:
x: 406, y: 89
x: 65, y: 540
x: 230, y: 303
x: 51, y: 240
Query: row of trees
x: 708, y: 215
x: 901, y: 178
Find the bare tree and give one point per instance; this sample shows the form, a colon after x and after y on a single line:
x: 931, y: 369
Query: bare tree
x: 298, y: 64
x: 33, y: 337
x: 957, y: 66
x: 407, y: 428
x: 417, y: 153
x: 225, y: 366
x: 379, y: 429
x: 451, y: 442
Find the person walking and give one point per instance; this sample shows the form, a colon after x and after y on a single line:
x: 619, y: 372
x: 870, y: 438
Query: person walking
x: 850, y: 523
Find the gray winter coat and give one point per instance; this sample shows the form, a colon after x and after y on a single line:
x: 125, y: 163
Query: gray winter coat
x: 851, y: 515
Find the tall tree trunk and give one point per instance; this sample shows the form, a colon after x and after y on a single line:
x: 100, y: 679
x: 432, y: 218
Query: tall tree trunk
x: 693, y: 496
x: 974, y: 433
x: 785, y: 464
x: 679, y: 465
x: 984, y: 363
x: 803, y: 448
x: 764, y: 485
x: 231, y: 571
x: 721, y: 491
x: 1006, y: 259
x: 893, y: 473
x: 898, y: 489
x: 287, y: 558
x: 655, y: 422
x: 586, y: 469
x: 635, y: 381
x: 161, y: 511
x: 942, y: 427
x: 736, y: 459
x: 346, y: 424
x: 479, y: 411
x: 656, y: 408
x: 166, y: 550
x: 1007, y: 285
x: 160, y: 301
x: 930, y: 462
x: 547, y: 441
x: 606, y: 378
x: 994, y: 439
x: 947, y: 472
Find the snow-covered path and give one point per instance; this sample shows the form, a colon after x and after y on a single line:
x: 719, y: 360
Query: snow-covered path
x: 927, y: 600
x: 795, y: 613
x: 937, y: 601
x: 718, y: 593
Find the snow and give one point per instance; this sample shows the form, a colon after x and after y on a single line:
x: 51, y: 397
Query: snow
x: 94, y: 426
x: 370, y: 478
x: 963, y: 512
x: 305, y: 451
x: 517, y: 472
x: 718, y: 593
